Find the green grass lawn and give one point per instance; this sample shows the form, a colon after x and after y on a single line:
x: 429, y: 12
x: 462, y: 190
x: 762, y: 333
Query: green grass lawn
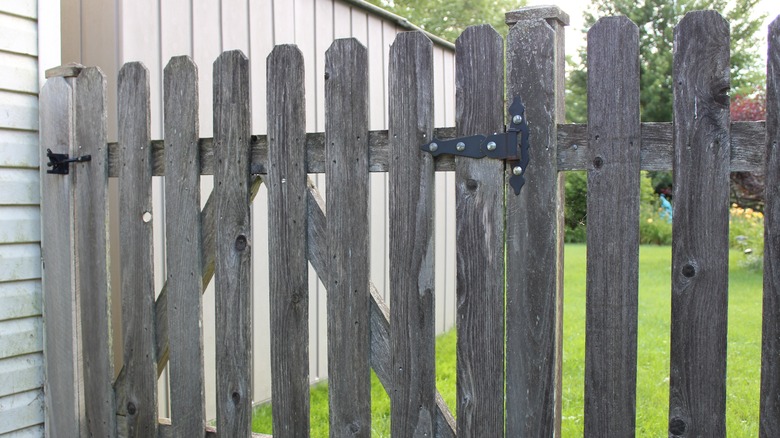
x: 743, y: 369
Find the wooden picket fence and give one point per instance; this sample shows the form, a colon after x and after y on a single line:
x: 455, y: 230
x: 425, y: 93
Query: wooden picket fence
x: 509, y: 248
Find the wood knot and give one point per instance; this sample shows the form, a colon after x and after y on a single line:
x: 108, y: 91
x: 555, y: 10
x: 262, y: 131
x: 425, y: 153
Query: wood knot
x: 677, y: 426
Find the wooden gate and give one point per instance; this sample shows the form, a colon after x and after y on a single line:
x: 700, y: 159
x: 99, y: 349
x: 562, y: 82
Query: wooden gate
x: 509, y: 248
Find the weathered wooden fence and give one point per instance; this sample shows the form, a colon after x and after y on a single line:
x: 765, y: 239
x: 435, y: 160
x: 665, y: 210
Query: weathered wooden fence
x: 509, y: 248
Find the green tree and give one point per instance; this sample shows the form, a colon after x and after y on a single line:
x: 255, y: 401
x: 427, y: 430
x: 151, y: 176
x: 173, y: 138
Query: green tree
x: 656, y: 20
x: 448, y: 18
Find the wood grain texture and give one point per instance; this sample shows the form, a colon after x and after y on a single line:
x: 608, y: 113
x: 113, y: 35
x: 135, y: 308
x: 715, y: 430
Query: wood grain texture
x: 232, y: 120
x: 534, y: 239
x: 136, y: 251
x: 380, y: 355
x: 183, y: 247
x: 612, y: 286
x: 346, y: 132
x: 287, y: 226
x: 479, y: 205
x: 770, y: 353
x: 90, y: 181
x: 162, y: 346
x: 700, y: 230
x: 411, y: 178
x: 747, y: 150
x: 63, y: 381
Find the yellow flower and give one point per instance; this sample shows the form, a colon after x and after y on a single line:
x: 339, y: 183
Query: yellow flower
x: 649, y: 220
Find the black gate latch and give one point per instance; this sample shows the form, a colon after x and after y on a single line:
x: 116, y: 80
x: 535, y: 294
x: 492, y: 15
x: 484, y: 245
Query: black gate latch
x: 59, y: 163
x: 501, y: 146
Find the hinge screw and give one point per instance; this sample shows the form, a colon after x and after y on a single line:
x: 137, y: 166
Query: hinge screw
x: 433, y: 147
x: 517, y: 170
x: 460, y: 146
x: 517, y: 119
x: 491, y: 146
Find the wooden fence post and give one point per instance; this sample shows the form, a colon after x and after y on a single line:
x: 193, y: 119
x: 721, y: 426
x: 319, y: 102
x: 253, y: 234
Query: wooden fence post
x: 346, y: 132
x: 534, y: 229
x: 63, y: 378
x: 232, y: 120
x: 613, y: 216
x: 184, y: 247
x: 136, y: 247
x: 90, y: 182
x: 700, y: 229
x: 479, y: 75
x: 770, y: 353
x: 411, y: 175
x: 287, y: 242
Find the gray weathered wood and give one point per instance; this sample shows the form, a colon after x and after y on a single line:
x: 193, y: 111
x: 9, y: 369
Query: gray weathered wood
x: 233, y: 285
x: 479, y: 204
x: 747, y: 150
x: 346, y: 132
x: 700, y: 230
x: 747, y: 147
x: 533, y: 13
x: 770, y: 353
x: 136, y: 251
x: 91, y: 237
x: 534, y: 239
x: 381, y: 358
x: 287, y: 227
x: 183, y: 247
x: 411, y: 177
x: 613, y: 233
x: 63, y: 382
x: 208, y: 221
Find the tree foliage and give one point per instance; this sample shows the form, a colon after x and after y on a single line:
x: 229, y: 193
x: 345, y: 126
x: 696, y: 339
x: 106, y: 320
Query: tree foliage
x: 448, y: 18
x: 656, y: 20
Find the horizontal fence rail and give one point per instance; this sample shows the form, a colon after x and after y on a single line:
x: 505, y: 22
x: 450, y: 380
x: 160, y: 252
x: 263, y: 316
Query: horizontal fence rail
x: 657, y: 153
x: 509, y: 248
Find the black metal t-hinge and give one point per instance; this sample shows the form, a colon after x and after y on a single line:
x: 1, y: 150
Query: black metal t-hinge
x: 60, y: 163
x: 511, y: 146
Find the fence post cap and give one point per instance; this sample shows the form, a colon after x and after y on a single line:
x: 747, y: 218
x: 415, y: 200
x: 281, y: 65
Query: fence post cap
x: 69, y: 70
x: 537, y: 12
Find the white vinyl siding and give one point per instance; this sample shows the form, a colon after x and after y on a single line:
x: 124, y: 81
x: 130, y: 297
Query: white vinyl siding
x: 21, y: 325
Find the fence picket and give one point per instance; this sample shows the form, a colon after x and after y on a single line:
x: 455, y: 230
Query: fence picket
x: 411, y: 176
x: 233, y: 285
x: 346, y: 132
x: 479, y: 74
x: 183, y: 247
x: 64, y: 383
x: 697, y: 390
x: 287, y: 226
x: 612, y: 270
x: 534, y: 235
x: 770, y: 353
x: 136, y: 251
x: 91, y: 239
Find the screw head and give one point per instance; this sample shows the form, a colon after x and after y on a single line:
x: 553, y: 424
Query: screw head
x: 491, y: 146
x: 517, y: 119
x: 460, y: 146
x: 433, y: 146
x: 517, y: 170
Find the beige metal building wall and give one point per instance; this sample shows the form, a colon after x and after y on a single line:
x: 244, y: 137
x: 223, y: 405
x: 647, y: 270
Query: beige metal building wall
x: 109, y: 33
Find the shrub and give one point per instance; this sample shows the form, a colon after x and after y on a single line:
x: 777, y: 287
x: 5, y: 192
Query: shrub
x: 746, y: 233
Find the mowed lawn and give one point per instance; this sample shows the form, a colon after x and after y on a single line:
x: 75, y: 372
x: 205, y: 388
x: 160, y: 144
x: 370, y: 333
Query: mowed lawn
x: 743, y: 368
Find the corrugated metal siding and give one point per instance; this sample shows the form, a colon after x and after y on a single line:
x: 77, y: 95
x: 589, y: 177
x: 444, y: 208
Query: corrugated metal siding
x: 152, y: 31
x: 21, y: 340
